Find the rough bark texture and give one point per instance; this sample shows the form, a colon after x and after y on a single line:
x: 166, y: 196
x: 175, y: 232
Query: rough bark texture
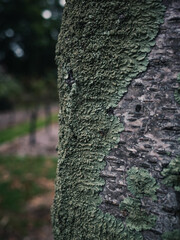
x: 102, y: 47
x: 150, y: 140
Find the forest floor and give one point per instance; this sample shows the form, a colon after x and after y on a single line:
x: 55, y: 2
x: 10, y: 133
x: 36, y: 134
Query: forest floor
x: 27, y: 174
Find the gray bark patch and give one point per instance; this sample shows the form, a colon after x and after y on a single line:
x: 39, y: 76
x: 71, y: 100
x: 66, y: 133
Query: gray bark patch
x: 151, y: 118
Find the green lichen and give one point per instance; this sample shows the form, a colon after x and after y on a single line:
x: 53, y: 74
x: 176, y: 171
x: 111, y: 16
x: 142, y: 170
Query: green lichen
x: 141, y: 183
x: 177, y: 92
x: 172, y: 174
x: 102, y: 46
x: 137, y: 219
x: 173, y: 235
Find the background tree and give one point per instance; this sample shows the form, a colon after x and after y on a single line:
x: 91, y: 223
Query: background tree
x: 118, y: 63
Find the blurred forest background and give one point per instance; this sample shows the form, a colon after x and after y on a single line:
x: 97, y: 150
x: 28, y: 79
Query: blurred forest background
x: 28, y: 116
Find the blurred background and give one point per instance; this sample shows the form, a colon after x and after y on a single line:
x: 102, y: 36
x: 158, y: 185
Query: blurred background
x: 28, y: 116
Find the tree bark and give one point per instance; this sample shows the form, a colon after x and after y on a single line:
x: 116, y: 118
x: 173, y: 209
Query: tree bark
x: 117, y: 174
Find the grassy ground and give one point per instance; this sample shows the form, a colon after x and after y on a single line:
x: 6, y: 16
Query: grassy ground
x: 22, y: 179
x: 23, y: 129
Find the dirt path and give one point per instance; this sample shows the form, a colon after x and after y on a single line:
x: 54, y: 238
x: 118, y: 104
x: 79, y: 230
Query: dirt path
x: 46, y: 142
x: 11, y: 118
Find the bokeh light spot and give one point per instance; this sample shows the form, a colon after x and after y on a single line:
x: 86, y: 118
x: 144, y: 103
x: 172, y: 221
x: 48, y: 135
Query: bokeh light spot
x: 62, y: 2
x: 46, y: 14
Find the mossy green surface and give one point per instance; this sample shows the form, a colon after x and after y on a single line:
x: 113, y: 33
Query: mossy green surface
x: 141, y: 183
x: 172, y: 174
x: 102, y: 46
x: 137, y: 219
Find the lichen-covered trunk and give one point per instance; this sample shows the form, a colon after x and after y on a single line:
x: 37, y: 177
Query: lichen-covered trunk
x: 117, y: 175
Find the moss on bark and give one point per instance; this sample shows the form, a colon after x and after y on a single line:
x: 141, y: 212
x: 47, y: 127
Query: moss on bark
x: 101, y: 47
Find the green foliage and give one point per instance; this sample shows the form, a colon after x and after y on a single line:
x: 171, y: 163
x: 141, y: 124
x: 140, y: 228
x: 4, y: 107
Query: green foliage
x: 9, y: 86
x: 18, y: 179
x: 172, y: 174
x: 20, y: 166
x: 10, y: 89
x: 19, y: 183
x: 141, y: 183
x: 22, y: 129
x: 173, y: 235
x: 13, y: 199
x: 98, y: 54
x: 137, y: 218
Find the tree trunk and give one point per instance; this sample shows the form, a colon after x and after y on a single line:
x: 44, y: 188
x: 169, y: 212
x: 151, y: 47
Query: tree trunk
x: 32, y: 126
x: 117, y: 175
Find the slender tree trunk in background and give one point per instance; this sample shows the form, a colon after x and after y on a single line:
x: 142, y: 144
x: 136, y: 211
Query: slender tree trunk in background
x: 117, y: 177
x: 33, y: 126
